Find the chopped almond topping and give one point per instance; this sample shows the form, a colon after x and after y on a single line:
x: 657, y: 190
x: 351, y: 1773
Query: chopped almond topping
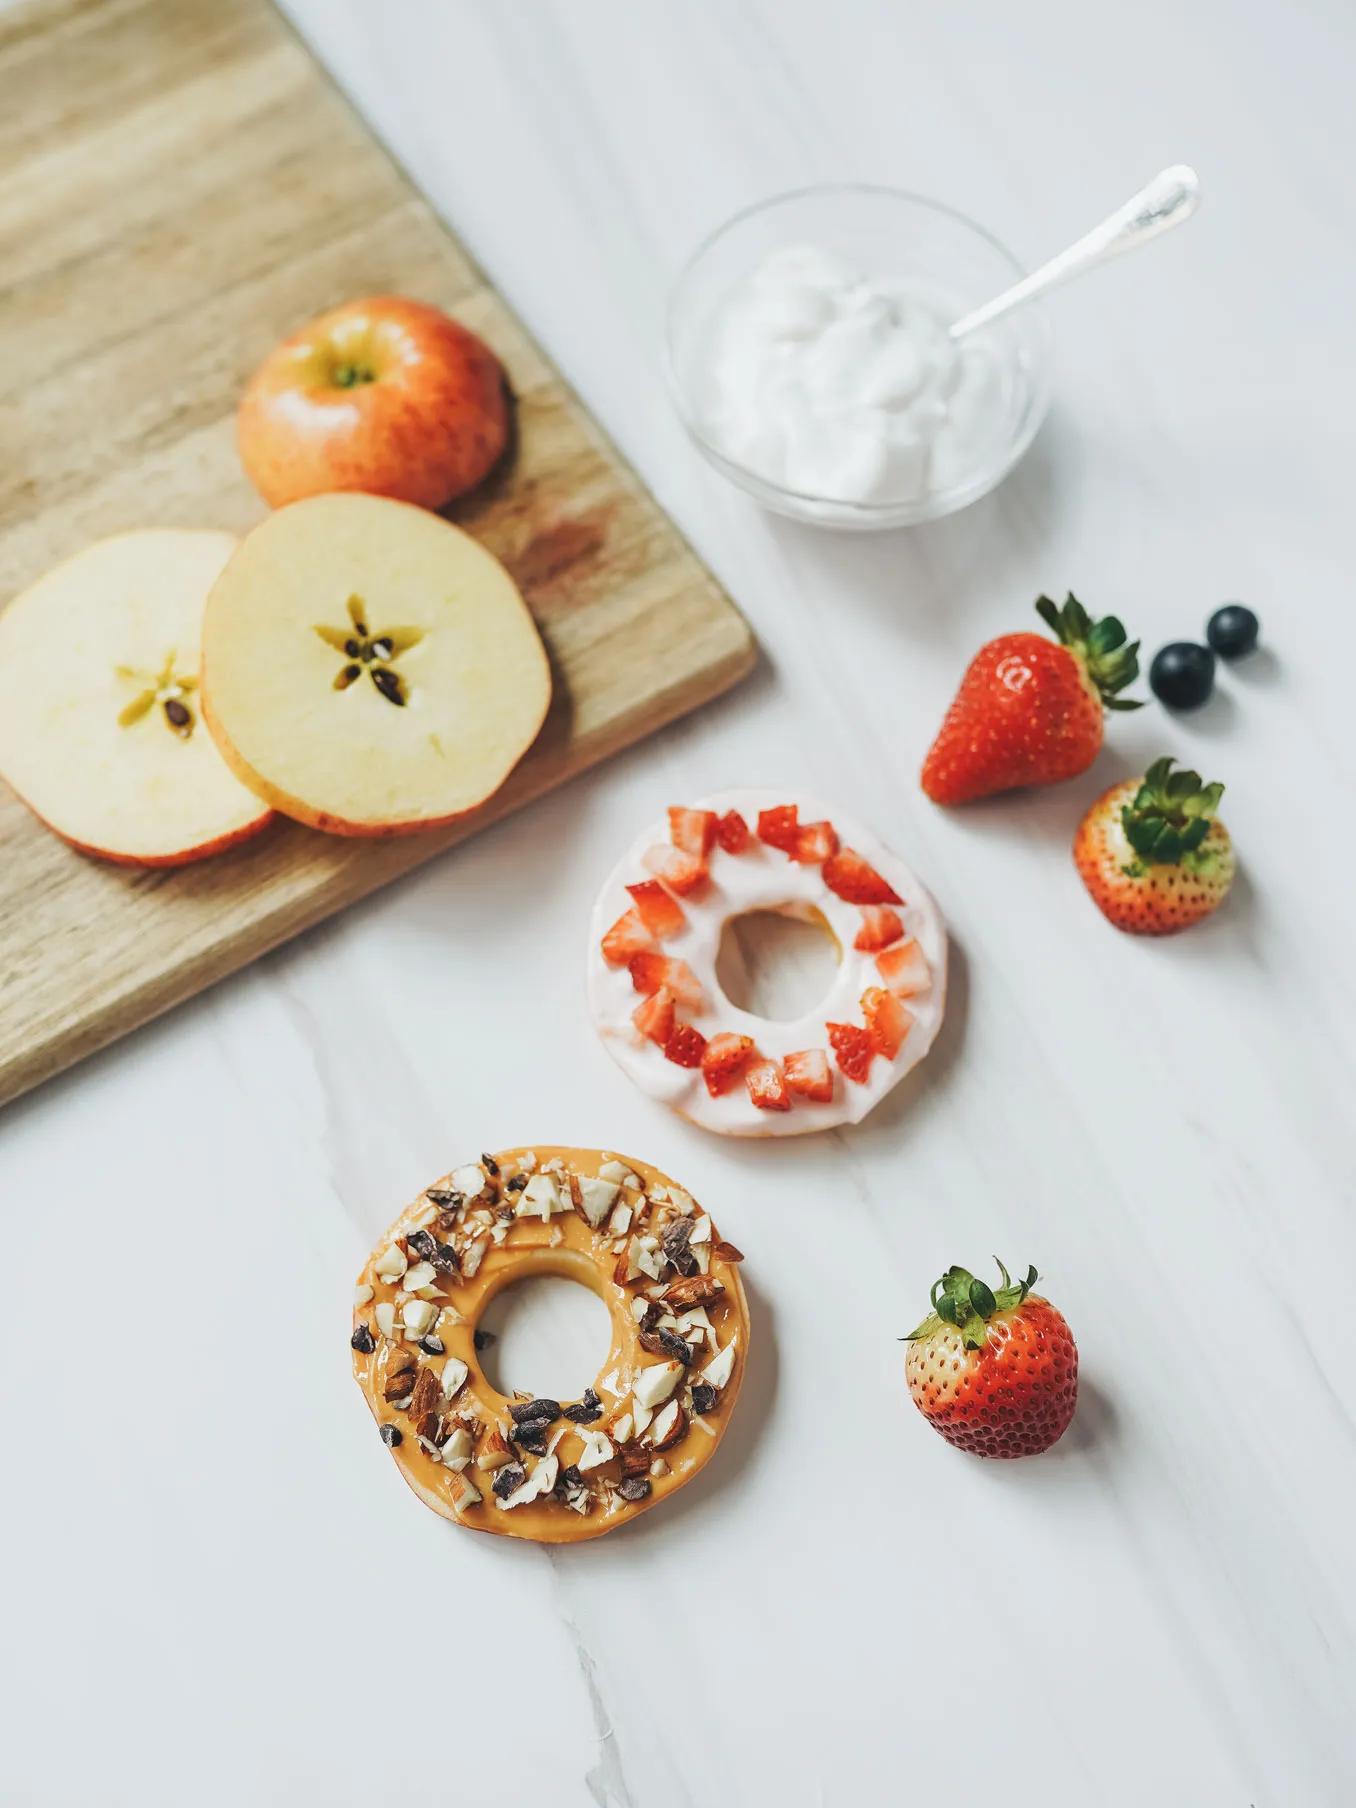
x: 693, y: 1290
x: 494, y: 1450
x: 427, y: 1395
x: 399, y: 1378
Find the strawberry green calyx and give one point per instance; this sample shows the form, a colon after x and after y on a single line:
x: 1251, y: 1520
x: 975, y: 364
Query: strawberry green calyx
x: 1099, y: 646
x: 1169, y: 818
x: 960, y: 1299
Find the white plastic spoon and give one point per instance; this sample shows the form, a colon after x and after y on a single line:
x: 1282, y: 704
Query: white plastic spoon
x: 1172, y: 196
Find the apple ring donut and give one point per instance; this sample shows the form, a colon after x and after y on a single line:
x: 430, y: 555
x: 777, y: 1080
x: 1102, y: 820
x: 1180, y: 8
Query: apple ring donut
x: 660, y: 1009
x: 552, y: 1471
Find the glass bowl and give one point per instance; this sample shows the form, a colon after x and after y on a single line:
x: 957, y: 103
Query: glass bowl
x: 882, y: 233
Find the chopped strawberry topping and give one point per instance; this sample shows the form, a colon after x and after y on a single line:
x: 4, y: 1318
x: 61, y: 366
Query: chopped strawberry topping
x: 887, y: 1021
x: 779, y: 828
x: 809, y: 1074
x: 627, y: 937
x: 725, y: 1055
x: 661, y: 914
x: 685, y: 1047
x: 766, y: 1086
x: 732, y: 832
x: 815, y: 841
x: 680, y: 872
x: 650, y: 971
x: 880, y: 927
x: 654, y: 1018
x: 692, y: 830
x: 849, y: 877
x: 852, y: 1049
x: 904, y: 968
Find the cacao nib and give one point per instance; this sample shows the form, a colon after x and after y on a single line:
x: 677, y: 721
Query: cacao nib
x: 444, y: 1196
x: 704, y: 1397
x: 428, y: 1249
x: 585, y: 1411
x: 390, y: 1436
x: 517, y: 1183
x: 507, y: 1478
x: 363, y: 1340
x: 531, y: 1436
x: 490, y: 1165
x: 666, y: 1343
x: 431, y: 1345
x: 523, y: 1412
x: 483, y: 1339
x: 635, y: 1487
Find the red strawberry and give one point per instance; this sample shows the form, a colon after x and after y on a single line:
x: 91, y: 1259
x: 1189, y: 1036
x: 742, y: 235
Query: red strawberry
x: 627, y: 937
x: 654, y: 1018
x: 887, y: 1021
x: 725, y: 1055
x: 661, y: 914
x: 880, y: 927
x: 1153, y: 854
x: 995, y: 1372
x: 685, y: 1047
x: 779, y: 828
x: 692, y: 830
x: 651, y: 971
x: 852, y: 1049
x: 732, y: 832
x: 1029, y: 710
x: 904, y: 968
x: 680, y: 872
x: 808, y: 1073
x: 815, y: 841
x: 849, y: 877
x: 766, y: 1086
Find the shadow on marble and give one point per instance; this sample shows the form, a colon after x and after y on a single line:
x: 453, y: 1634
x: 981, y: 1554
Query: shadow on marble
x: 1092, y: 1440
x: 923, y: 577
x: 933, y: 1074
x: 1217, y: 719
x: 1262, y: 671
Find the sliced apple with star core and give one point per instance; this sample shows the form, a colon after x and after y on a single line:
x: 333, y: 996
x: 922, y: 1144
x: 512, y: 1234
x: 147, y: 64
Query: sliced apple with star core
x: 101, y: 732
x: 368, y: 668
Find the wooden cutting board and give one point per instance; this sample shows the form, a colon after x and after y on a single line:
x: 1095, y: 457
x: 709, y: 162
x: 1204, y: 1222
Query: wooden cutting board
x: 179, y: 186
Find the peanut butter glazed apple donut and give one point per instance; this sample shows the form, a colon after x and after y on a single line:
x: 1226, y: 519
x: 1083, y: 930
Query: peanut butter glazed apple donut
x: 552, y: 1471
x: 660, y: 1009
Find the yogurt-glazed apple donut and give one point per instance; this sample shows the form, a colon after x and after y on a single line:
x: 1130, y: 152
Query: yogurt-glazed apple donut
x: 548, y: 1470
x: 659, y: 1007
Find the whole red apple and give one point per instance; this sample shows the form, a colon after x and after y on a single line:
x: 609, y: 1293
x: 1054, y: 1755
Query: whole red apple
x: 384, y: 395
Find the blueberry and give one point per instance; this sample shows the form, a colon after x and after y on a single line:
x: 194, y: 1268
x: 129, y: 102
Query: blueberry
x: 1182, y: 674
x: 1232, y: 631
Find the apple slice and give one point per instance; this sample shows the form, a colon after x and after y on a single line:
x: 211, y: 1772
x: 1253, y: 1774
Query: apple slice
x: 369, y: 669
x: 100, y: 732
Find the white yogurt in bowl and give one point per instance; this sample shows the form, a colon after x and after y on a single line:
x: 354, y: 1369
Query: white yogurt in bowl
x: 848, y: 387
x: 810, y: 358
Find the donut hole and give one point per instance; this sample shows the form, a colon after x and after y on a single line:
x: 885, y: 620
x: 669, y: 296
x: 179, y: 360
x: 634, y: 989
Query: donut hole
x: 777, y: 964
x: 546, y: 1335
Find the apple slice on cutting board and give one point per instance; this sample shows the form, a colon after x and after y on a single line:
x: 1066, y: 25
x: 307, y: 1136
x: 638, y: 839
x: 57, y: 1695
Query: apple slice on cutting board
x: 369, y: 669
x: 100, y: 729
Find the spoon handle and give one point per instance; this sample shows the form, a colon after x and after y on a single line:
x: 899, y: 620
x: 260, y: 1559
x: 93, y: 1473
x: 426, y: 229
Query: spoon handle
x: 1172, y: 196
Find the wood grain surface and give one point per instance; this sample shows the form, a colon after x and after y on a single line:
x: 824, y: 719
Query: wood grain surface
x: 179, y: 186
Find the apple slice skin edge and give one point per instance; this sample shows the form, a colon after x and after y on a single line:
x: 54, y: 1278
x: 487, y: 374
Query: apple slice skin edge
x: 282, y: 803
x: 187, y: 857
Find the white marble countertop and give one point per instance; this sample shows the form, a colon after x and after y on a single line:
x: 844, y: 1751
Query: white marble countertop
x: 214, y: 1586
